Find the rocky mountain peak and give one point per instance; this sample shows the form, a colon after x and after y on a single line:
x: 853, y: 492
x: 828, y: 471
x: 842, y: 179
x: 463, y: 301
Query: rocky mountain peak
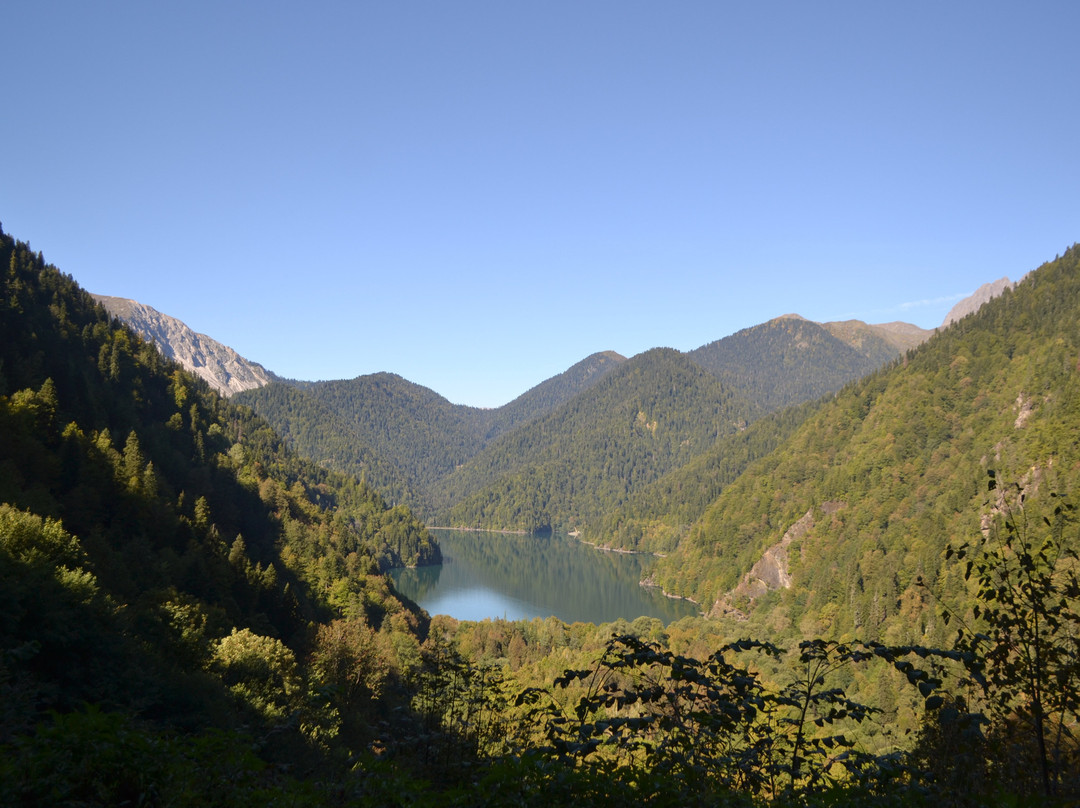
x: 222, y: 367
x: 969, y: 305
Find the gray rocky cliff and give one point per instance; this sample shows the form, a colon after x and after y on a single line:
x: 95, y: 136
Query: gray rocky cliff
x: 983, y: 294
x: 222, y: 367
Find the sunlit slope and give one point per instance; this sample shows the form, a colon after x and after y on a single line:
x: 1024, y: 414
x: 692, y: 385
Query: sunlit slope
x: 895, y: 467
x: 146, y: 523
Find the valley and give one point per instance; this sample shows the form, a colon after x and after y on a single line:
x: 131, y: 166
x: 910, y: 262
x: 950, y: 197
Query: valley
x: 184, y: 572
x: 705, y: 460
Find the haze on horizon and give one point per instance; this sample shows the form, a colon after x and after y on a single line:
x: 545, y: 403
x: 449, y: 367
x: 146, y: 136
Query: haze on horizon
x: 478, y: 196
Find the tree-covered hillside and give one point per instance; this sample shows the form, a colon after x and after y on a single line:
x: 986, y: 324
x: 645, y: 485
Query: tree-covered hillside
x: 551, y: 393
x: 400, y: 437
x: 656, y: 518
x: 790, y: 360
x: 163, y: 556
x: 884, y: 476
x: 413, y: 427
x: 191, y: 615
x: 315, y: 429
x: 653, y: 413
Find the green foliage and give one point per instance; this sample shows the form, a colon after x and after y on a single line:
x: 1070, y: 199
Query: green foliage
x: 90, y: 757
x: 31, y: 540
x: 463, y: 706
x: 715, y: 722
x: 259, y: 670
x: 1025, y: 637
x: 347, y: 657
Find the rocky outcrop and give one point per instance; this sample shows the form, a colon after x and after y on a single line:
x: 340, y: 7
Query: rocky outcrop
x: 222, y: 367
x: 969, y: 305
x: 772, y: 570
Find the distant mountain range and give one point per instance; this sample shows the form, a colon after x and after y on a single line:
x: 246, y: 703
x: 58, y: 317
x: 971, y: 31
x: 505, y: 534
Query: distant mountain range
x: 578, y: 445
x: 729, y: 358
x: 528, y: 464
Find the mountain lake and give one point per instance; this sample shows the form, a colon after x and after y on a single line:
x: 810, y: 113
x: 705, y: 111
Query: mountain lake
x: 516, y: 577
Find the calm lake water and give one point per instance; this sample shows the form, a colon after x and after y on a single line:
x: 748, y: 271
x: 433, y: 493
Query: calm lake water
x: 521, y: 577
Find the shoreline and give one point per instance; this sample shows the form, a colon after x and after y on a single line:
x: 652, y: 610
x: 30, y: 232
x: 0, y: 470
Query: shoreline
x: 648, y: 583
x: 478, y: 530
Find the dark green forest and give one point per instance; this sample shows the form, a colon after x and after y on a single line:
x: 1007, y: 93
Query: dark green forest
x: 568, y: 453
x: 649, y: 416
x: 790, y: 360
x: 193, y: 614
x: 402, y: 437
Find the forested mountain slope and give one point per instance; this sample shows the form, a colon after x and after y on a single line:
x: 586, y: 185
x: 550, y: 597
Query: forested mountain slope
x: 164, y: 557
x: 399, y: 436
x: 410, y: 425
x: 655, y: 518
x: 552, y: 392
x: 402, y: 437
x: 882, y: 477
x: 790, y: 360
x: 653, y: 413
x: 315, y: 429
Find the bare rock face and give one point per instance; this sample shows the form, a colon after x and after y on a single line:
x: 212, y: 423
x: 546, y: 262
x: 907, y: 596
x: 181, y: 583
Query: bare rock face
x: 772, y: 570
x: 969, y: 305
x: 222, y: 367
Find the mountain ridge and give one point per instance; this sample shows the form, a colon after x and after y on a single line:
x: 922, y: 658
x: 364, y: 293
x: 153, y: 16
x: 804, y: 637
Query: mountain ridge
x: 655, y: 411
x: 789, y: 359
x: 415, y: 446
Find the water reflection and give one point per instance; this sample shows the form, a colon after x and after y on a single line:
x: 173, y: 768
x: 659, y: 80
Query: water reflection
x: 521, y: 577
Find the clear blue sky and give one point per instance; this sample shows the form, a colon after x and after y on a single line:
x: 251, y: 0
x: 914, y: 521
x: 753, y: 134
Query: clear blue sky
x: 478, y: 195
